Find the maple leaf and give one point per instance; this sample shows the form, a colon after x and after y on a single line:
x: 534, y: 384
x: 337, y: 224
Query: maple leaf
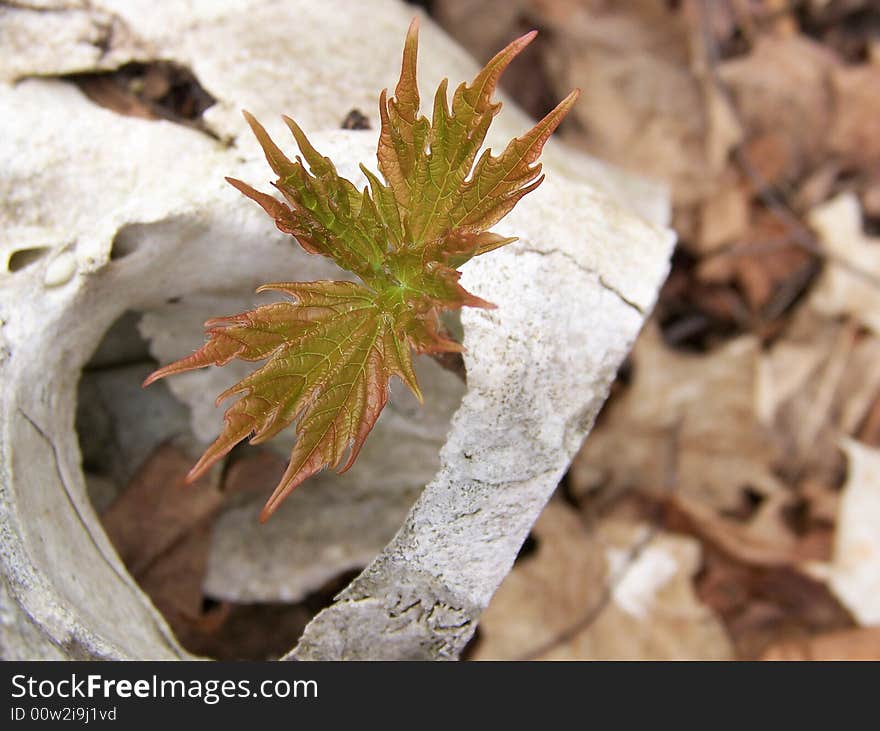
x: 332, y: 348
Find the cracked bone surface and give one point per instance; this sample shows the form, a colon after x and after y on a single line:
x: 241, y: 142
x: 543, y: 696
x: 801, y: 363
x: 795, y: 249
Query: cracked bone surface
x: 80, y: 182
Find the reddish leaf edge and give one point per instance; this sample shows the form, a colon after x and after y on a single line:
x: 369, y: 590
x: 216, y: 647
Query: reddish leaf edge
x: 282, y: 166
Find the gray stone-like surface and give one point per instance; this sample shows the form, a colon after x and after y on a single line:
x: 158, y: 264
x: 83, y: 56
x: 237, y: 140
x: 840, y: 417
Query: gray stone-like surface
x: 122, y: 345
x: 120, y: 424
x: 80, y: 181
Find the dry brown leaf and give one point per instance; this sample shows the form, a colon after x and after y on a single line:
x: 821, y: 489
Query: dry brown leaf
x: 161, y: 528
x: 823, y: 502
x: 817, y: 186
x: 780, y: 14
x: 781, y: 93
x: 547, y: 591
x: 818, y: 381
x: 702, y: 407
x: 841, y: 289
x: 861, y: 385
x: 767, y: 262
x: 158, y: 510
x: 854, y: 644
x: 869, y: 432
x: 854, y: 571
x: 174, y: 582
x: 871, y: 196
x: 807, y: 419
x: 768, y: 270
x: 763, y: 605
x: 723, y: 128
x: 724, y: 218
x: 252, y: 474
x: 774, y: 157
x: 788, y: 366
x: 721, y: 22
x: 645, y: 107
x: 717, y: 269
x: 855, y: 131
x: 764, y: 541
x: 651, y: 611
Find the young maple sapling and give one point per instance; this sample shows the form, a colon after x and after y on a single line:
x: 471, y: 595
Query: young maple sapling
x: 333, y: 346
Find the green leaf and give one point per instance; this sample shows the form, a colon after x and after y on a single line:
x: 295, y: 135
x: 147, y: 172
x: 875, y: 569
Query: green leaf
x: 331, y: 352
x: 331, y: 349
